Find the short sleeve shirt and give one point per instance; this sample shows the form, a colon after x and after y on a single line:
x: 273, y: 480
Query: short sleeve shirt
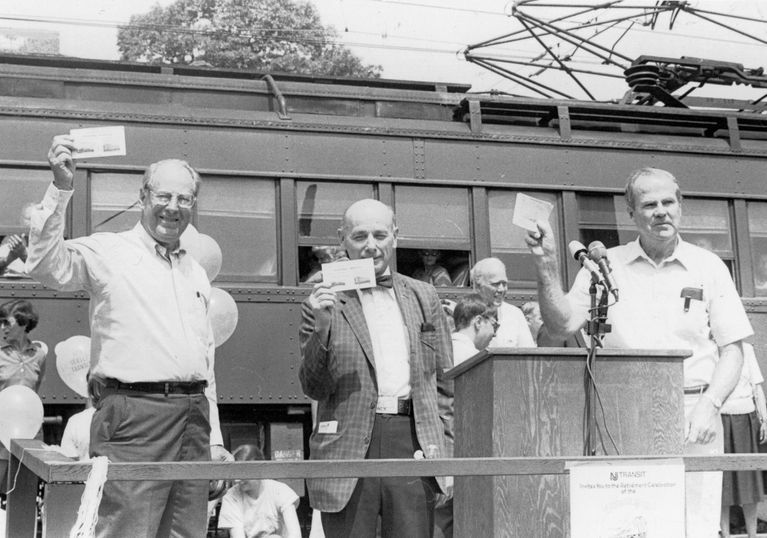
x: 22, y: 367
x: 259, y: 517
x: 741, y: 399
x: 653, y: 313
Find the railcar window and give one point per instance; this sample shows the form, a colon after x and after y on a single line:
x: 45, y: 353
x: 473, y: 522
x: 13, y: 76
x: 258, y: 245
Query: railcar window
x: 757, y: 227
x: 507, y: 241
x: 240, y: 214
x: 114, y: 202
x: 434, y: 234
x: 705, y: 223
x: 320, y: 207
x: 21, y: 189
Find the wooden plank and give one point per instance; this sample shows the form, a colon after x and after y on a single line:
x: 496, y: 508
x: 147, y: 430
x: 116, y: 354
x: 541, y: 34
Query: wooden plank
x: 59, y: 514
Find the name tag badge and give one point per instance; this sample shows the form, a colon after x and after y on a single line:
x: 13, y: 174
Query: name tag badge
x: 387, y: 405
x: 330, y: 426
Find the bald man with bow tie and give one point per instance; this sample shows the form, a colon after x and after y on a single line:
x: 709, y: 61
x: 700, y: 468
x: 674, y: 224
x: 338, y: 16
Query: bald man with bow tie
x: 374, y: 359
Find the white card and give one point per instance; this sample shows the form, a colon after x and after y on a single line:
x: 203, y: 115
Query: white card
x: 527, y: 210
x: 349, y: 275
x: 330, y: 426
x: 98, y: 142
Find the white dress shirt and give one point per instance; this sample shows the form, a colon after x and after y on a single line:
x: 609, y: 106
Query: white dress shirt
x: 388, y: 335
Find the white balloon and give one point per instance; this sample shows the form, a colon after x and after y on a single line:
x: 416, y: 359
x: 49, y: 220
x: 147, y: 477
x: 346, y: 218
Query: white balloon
x: 223, y: 315
x: 190, y: 238
x: 73, y: 360
x: 206, y: 251
x: 21, y: 414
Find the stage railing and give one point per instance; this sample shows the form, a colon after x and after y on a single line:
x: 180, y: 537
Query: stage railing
x: 31, y: 461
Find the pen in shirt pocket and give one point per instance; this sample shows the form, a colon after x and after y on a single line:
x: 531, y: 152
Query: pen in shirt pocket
x: 201, y: 297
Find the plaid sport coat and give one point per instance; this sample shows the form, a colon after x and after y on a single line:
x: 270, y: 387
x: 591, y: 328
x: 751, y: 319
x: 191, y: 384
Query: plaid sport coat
x: 342, y: 378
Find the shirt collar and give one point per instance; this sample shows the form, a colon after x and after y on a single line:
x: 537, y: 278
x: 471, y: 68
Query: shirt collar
x: 153, y: 246
x: 683, y: 253
x: 31, y: 346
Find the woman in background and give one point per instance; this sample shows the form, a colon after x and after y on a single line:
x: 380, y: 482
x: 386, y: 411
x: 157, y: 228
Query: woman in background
x: 744, y: 417
x: 434, y: 274
x: 22, y: 361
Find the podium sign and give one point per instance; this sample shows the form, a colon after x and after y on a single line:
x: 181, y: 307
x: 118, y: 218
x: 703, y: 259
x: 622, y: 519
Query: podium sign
x: 531, y: 402
x: 639, y: 498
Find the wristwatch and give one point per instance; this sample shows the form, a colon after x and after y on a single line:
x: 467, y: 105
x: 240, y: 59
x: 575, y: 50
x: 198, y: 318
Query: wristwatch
x: 716, y: 402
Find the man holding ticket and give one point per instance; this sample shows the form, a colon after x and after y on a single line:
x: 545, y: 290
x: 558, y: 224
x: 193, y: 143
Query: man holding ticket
x: 151, y: 376
x: 673, y: 295
x: 374, y: 346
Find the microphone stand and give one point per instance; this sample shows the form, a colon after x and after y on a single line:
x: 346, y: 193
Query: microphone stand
x: 596, y: 328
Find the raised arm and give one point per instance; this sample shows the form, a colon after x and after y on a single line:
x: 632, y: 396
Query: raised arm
x: 557, y: 312
x: 49, y: 260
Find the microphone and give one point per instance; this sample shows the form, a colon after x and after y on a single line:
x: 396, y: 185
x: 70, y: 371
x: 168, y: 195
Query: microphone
x: 581, y: 255
x: 598, y: 253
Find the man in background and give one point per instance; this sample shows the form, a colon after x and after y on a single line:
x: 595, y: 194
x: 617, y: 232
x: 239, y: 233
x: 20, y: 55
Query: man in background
x: 488, y: 276
x: 476, y: 324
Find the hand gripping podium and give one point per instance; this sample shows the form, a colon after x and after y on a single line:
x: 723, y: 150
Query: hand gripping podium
x: 530, y: 402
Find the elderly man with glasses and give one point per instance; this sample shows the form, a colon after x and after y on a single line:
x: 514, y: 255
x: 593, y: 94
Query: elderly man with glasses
x: 488, y: 276
x: 151, y: 376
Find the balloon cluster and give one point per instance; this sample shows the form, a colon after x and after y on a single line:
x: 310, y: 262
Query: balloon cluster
x: 222, y: 309
x: 21, y: 414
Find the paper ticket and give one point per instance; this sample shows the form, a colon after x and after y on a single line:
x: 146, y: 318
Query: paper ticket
x: 527, y: 210
x: 349, y: 275
x: 98, y: 142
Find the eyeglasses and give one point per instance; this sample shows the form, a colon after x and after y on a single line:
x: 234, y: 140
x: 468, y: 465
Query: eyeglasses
x: 164, y: 198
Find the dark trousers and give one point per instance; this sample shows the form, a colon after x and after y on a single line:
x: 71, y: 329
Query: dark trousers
x: 152, y: 427
x: 405, y: 504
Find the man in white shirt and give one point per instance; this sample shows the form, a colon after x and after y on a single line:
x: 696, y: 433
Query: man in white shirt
x: 673, y: 295
x: 151, y: 378
x: 488, y: 276
x: 476, y: 323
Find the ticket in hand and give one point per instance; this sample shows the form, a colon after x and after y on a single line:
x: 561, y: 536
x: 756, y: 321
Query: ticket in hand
x: 349, y: 275
x: 527, y: 210
x: 98, y: 142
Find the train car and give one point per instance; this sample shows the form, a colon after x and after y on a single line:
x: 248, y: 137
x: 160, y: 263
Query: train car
x: 282, y: 155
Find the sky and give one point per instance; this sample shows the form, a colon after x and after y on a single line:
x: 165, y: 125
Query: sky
x: 423, y: 39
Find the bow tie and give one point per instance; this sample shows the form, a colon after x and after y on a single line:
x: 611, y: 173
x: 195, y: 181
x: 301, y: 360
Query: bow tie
x: 384, y: 281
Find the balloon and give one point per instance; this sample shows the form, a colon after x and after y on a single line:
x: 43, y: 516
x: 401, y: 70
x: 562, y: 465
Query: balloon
x: 207, y: 253
x: 21, y: 414
x: 223, y: 315
x: 189, y: 238
x: 73, y: 360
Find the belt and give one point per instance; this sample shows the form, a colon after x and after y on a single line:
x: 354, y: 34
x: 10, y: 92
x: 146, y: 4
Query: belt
x: 404, y: 407
x: 697, y: 389
x: 159, y: 387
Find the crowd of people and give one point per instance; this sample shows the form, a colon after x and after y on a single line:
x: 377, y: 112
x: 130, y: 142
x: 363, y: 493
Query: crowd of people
x: 374, y: 360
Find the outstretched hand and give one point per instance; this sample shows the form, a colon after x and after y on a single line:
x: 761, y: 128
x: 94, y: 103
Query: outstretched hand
x: 61, y: 162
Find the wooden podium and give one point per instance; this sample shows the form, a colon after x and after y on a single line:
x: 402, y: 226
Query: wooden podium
x: 531, y: 402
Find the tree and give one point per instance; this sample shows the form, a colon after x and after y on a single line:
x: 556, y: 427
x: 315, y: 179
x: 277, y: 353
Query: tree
x: 266, y: 35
